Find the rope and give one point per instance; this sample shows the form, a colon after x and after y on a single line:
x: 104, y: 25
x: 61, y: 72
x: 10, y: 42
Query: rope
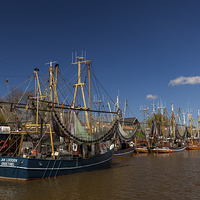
x: 39, y: 141
x: 16, y: 88
x: 24, y: 91
x: 102, y: 87
x: 12, y: 144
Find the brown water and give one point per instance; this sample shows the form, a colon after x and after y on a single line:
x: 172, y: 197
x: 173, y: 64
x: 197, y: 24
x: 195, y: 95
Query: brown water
x: 139, y: 176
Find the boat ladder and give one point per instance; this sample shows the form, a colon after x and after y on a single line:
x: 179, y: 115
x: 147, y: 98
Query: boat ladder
x: 52, y: 168
x: 58, y: 168
x: 46, y: 168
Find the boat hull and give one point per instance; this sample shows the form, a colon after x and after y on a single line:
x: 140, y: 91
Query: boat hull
x: 32, y: 168
x: 193, y: 147
x: 162, y: 150
x: 142, y: 150
x: 124, y: 152
x: 177, y: 149
x: 168, y: 149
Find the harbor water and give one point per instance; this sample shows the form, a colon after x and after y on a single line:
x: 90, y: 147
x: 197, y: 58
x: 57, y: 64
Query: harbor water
x: 137, y: 176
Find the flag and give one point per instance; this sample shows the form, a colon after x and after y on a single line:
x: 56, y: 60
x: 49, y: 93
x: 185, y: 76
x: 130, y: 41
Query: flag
x: 6, y: 81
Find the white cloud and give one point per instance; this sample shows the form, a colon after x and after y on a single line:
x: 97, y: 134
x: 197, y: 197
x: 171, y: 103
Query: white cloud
x: 151, y: 96
x: 185, y: 80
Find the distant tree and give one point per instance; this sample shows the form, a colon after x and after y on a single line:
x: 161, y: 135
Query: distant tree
x: 18, y: 96
x: 9, y: 112
x: 159, y: 119
x: 140, y: 135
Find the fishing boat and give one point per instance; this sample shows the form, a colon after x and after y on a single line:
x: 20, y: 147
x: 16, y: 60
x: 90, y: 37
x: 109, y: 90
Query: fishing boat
x: 192, y: 147
x: 124, y: 137
x: 171, y: 137
x: 42, y: 137
x: 142, y: 146
x: 164, y: 138
x: 142, y: 149
x: 193, y: 143
x: 167, y: 147
x: 125, y: 134
x: 125, y: 151
x: 193, y: 139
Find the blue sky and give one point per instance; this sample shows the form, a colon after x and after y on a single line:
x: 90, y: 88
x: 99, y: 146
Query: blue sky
x: 138, y: 48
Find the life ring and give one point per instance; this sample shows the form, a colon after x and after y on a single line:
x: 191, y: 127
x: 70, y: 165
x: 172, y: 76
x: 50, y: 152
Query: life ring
x: 2, y: 147
x: 103, y: 145
x: 75, y: 147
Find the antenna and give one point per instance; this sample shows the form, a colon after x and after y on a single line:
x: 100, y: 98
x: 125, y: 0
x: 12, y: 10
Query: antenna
x: 72, y: 57
x: 145, y: 109
x: 75, y: 57
x: 172, y: 107
x: 154, y: 109
x: 50, y: 63
x: 161, y: 107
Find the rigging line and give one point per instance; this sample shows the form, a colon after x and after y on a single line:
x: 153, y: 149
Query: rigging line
x: 64, y: 89
x: 21, y: 99
x: 41, y: 84
x: 67, y: 87
x: 12, y: 144
x: 99, y: 93
x: 95, y: 91
x: 86, y: 74
x: 25, y: 91
x: 68, y: 81
x: 75, y: 75
x: 11, y: 64
x: 67, y: 70
x: 103, y: 89
x: 39, y: 141
x: 16, y: 88
x: 130, y: 110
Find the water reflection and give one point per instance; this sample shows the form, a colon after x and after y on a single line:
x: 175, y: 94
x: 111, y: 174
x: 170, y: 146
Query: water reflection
x: 139, y: 176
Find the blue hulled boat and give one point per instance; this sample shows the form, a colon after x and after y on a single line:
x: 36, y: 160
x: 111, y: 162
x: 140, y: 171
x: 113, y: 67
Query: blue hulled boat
x: 44, y: 138
x: 31, y: 168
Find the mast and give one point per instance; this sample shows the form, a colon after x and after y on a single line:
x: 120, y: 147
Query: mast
x: 162, y: 122
x: 173, y: 124
x: 79, y: 84
x: 110, y: 110
x: 158, y: 119
x: 124, y: 110
x: 179, y: 110
x: 148, y: 117
x: 90, y: 102
x: 198, y: 122
x: 167, y: 119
